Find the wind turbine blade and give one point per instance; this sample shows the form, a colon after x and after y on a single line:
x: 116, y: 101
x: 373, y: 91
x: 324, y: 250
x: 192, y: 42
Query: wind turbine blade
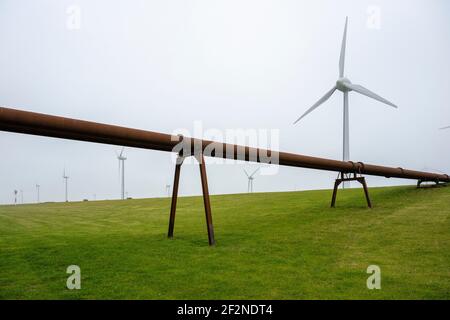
x: 318, y: 103
x: 251, y: 176
x: 121, y: 151
x: 343, y: 47
x: 246, y: 173
x: 443, y: 128
x: 368, y: 93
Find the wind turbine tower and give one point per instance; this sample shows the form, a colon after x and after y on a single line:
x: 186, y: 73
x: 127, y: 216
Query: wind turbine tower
x: 250, y: 178
x: 168, y: 190
x: 66, y: 178
x: 344, y: 85
x: 122, y: 159
x: 37, y: 190
x: 15, y: 197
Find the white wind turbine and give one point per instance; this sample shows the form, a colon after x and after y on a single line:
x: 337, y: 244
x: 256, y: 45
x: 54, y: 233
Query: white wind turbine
x: 250, y: 178
x: 344, y: 85
x: 122, y: 159
x: 66, y: 178
x: 37, y: 190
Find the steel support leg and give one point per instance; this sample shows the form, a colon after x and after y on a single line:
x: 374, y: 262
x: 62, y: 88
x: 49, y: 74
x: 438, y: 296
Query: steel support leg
x: 336, y: 186
x: 366, y: 191
x: 206, y: 202
x: 173, y: 206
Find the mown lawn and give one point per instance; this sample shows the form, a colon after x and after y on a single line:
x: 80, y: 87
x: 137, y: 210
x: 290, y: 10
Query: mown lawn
x: 269, y: 246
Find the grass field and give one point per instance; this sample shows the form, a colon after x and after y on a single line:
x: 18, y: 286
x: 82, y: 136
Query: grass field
x: 269, y: 246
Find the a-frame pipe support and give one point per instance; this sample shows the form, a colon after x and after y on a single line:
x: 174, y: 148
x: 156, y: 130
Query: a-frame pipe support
x: 437, y: 183
x: 355, y: 177
x: 206, y: 202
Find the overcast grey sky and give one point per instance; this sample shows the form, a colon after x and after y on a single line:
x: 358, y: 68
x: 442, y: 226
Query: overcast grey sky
x: 258, y: 64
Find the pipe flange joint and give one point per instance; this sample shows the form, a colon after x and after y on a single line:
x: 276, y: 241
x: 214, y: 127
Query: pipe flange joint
x: 353, y: 166
x: 360, y: 166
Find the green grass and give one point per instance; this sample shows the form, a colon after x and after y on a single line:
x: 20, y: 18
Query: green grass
x: 269, y: 246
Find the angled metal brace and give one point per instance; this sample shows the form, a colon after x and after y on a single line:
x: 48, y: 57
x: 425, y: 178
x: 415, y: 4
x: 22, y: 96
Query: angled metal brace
x: 355, y: 177
x: 206, y: 201
x: 173, y: 206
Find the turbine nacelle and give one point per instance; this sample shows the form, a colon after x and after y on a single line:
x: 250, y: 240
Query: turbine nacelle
x: 343, y: 84
x: 120, y: 155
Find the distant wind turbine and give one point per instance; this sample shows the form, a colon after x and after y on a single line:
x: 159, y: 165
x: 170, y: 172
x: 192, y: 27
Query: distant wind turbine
x: 344, y: 85
x: 66, y: 178
x: 15, y: 196
x: 250, y: 178
x: 168, y: 189
x: 122, y: 159
x: 37, y: 190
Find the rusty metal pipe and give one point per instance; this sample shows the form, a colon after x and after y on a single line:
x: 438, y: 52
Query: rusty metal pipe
x: 18, y: 121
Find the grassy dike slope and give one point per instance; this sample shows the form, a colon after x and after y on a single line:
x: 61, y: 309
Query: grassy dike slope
x: 288, y: 245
